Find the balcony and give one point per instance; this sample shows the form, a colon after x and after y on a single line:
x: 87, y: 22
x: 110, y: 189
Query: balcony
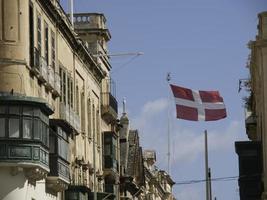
x: 77, y: 192
x: 43, y: 75
x: 110, y: 188
x: 251, y: 125
x: 51, y: 78
x: 110, y: 163
x: 70, y: 118
x: 24, y: 135
x: 59, y: 177
x: 102, y: 195
x: 109, y: 104
x: 56, y: 90
x: 250, y: 169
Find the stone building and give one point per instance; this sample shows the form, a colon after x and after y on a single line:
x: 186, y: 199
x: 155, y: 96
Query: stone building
x: 58, y: 128
x: 252, y: 154
x: 158, y: 183
x: 131, y: 161
x: 139, y: 177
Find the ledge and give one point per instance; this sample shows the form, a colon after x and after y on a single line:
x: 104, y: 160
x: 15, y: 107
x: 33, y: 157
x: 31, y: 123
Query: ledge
x: 9, y: 98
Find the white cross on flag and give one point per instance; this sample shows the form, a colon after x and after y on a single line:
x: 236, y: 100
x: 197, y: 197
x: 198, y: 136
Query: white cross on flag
x: 198, y: 105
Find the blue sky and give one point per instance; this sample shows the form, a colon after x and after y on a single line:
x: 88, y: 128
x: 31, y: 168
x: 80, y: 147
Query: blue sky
x: 203, y: 45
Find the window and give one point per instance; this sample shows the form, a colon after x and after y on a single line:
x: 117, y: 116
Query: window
x: 13, y: 128
x: 83, y: 112
x: 2, y: 109
x: 71, y: 93
x: 27, y: 128
x: 27, y: 110
x: 64, y: 86
x: 98, y: 127
x: 89, y: 115
x: 53, y: 50
x: 24, y: 122
x: 3, y: 127
x: 39, y: 34
x: 62, y: 74
x: 46, y: 43
x: 68, y: 90
x: 110, y: 146
x: 14, y: 110
x: 52, y: 143
x: 36, y: 134
x: 63, y: 145
x: 77, y: 100
x: 31, y: 34
x: 61, y: 83
x: 93, y: 125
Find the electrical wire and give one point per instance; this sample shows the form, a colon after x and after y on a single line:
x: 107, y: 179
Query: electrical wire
x: 124, y: 64
x: 229, y: 178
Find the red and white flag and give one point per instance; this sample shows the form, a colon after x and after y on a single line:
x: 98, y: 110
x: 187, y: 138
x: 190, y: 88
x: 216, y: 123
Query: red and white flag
x: 199, y: 105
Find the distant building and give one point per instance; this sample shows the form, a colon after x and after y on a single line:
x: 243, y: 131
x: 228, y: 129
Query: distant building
x: 139, y: 178
x: 58, y: 128
x: 252, y: 154
x: 158, y: 182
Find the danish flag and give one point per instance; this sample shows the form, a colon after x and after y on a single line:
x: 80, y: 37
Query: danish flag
x: 197, y: 105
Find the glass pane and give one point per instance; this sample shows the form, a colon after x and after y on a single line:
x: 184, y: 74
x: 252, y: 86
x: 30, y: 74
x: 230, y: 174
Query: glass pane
x: 59, y: 146
x: 59, y: 131
x: 43, y: 133
x: 14, y: 110
x: 2, y: 109
x: 2, y: 127
x: 52, y: 144
x: 14, y: 128
x: 36, y: 112
x: 107, y: 139
x: 47, y: 136
x: 27, y: 110
x: 27, y: 128
x: 107, y: 149
x: 36, y: 129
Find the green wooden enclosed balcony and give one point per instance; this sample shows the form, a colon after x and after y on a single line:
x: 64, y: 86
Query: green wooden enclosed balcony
x: 24, y: 134
x: 59, y: 177
x: 110, y: 157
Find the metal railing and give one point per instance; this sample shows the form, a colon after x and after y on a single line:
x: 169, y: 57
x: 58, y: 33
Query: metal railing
x: 67, y: 114
x: 57, y: 83
x: 43, y: 70
x: 36, y: 60
x: 51, y: 77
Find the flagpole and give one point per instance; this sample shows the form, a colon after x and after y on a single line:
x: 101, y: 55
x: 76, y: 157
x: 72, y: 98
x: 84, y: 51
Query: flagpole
x: 210, y: 190
x: 168, y: 78
x: 206, y: 166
